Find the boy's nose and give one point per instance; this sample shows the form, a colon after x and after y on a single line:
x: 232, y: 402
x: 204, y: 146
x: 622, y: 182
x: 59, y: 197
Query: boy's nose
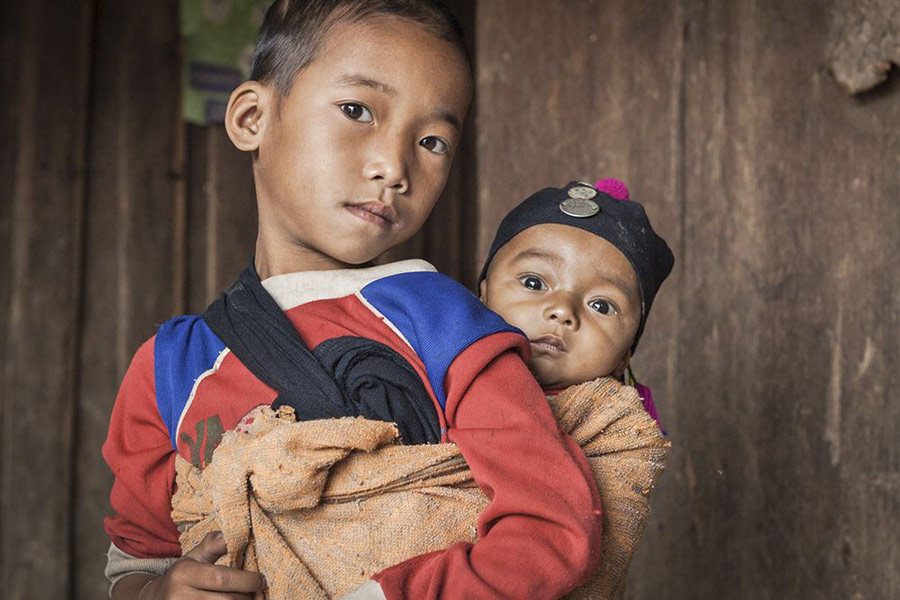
x: 388, y: 165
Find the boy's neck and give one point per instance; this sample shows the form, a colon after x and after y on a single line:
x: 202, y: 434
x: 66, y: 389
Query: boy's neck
x: 272, y: 259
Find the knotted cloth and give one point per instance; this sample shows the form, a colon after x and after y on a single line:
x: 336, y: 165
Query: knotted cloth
x: 348, y: 376
x: 320, y: 506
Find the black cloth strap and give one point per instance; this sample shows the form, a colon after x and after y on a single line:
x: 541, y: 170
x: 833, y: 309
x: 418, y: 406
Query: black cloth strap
x: 380, y: 384
x: 344, y: 377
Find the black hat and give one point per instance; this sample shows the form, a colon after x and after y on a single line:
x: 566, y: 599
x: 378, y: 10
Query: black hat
x: 604, y: 210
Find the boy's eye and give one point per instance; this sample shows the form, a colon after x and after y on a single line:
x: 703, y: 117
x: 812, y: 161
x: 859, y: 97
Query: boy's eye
x: 604, y: 307
x: 356, y: 111
x: 533, y: 283
x: 435, y: 144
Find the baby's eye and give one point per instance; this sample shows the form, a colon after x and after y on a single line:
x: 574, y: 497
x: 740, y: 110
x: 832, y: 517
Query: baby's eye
x: 357, y: 112
x: 604, y: 307
x: 435, y: 144
x: 533, y: 282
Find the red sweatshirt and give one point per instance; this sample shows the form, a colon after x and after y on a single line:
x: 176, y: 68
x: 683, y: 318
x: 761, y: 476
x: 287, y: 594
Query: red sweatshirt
x: 538, y: 538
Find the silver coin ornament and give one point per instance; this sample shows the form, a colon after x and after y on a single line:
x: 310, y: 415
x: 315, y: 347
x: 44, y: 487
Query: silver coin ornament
x: 579, y: 207
x: 582, y: 192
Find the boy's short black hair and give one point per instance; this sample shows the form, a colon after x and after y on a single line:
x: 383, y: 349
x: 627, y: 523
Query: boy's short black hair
x: 293, y: 30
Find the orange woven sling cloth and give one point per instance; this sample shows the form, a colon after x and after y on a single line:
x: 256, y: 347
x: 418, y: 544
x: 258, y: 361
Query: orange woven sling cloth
x: 320, y: 506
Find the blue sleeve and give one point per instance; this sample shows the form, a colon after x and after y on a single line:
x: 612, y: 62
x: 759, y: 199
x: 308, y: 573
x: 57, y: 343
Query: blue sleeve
x: 438, y: 317
x: 184, y: 349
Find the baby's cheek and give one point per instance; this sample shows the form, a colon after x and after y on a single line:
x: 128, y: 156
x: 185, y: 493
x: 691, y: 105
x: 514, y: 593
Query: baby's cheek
x: 591, y: 367
x: 545, y: 372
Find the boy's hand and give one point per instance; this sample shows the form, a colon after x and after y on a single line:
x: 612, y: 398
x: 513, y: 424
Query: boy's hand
x: 195, y: 576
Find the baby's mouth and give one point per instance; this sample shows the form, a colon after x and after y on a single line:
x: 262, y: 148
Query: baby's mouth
x: 549, y: 343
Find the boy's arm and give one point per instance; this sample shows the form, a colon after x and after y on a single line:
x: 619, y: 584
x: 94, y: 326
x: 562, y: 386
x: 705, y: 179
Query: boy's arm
x: 142, y: 560
x: 139, y: 452
x: 540, y: 535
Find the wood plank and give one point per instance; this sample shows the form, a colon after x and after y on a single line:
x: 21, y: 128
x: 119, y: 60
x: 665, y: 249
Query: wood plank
x: 773, y: 343
x: 222, y: 224
x: 11, y: 17
x: 43, y: 237
x: 773, y: 348
x: 197, y: 284
x: 131, y: 243
x: 582, y: 96
x: 771, y: 269
x: 714, y: 468
x: 594, y: 91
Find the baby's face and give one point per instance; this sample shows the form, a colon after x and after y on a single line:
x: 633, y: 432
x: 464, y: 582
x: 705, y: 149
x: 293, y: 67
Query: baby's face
x: 574, y: 295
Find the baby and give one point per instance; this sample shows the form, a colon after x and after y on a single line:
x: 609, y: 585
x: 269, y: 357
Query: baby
x: 577, y: 269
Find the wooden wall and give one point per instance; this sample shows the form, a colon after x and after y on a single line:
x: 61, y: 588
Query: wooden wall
x: 773, y: 348
x: 115, y: 216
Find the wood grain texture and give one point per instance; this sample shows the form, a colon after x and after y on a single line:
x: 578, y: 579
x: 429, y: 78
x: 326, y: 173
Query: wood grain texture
x: 222, y: 220
x: 772, y: 344
x: 42, y: 276
x: 773, y: 348
x: 785, y: 178
x: 10, y: 74
x: 131, y: 254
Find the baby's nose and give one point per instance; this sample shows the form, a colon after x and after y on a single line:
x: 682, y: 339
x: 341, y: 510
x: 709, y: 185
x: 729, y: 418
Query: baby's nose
x: 562, y: 311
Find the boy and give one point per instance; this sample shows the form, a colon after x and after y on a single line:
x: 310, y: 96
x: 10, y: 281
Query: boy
x: 352, y: 117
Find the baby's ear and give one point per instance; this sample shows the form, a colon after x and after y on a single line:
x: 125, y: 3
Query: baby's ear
x: 246, y: 115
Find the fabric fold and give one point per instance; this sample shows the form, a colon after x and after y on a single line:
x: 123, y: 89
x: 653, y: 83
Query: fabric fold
x: 344, y: 377
x: 320, y: 506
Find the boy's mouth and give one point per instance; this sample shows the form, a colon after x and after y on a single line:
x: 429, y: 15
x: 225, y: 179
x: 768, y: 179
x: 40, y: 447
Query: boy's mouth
x: 375, y: 212
x: 549, y: 343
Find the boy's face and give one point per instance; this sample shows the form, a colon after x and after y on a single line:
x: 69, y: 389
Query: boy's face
x: 359, y: 151
x: 573, y: 294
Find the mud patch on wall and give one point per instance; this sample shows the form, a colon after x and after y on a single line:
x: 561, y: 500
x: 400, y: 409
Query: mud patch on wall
x: 864, y: 41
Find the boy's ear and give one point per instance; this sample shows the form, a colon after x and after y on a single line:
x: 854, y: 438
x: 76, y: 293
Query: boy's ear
x: 247, y: 114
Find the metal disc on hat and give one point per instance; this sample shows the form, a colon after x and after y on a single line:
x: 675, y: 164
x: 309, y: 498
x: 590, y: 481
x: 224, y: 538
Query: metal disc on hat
x: 582, y: 192
x: 579, y: 207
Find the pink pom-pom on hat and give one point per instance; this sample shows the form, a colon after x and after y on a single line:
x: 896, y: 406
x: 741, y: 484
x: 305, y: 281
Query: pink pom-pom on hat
x: 614, y: 188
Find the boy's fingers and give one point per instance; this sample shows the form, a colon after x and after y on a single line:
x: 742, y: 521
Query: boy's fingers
x: 209, y: 549
x: 215, y: 578
x: 196, y: 570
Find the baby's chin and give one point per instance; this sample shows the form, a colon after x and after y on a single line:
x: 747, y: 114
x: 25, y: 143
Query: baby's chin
x: 550, y: 379
x: 554, y: 379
